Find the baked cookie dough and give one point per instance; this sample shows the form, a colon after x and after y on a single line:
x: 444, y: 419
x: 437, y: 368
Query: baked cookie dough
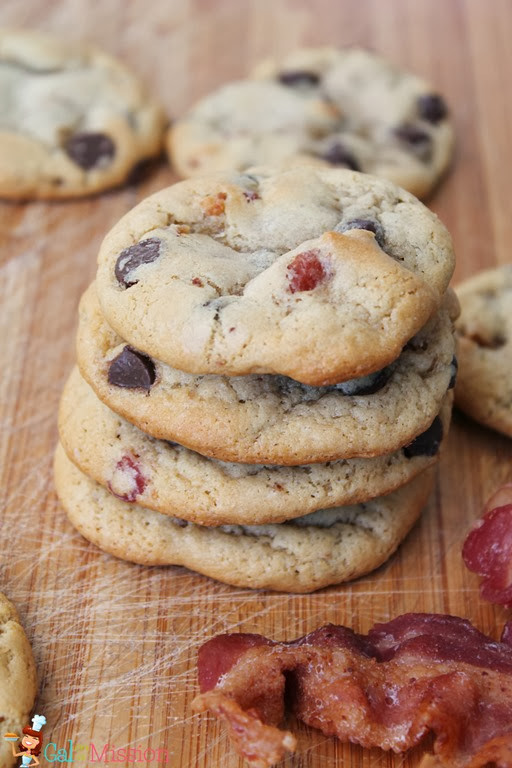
x: 171, y: 479
x: 326, y: 547
x: 18, y: 684
x: 321, y: 275
x: 264, y: 419
x: 73, y: 120
x: 344, y: 107
x: 484, y: 331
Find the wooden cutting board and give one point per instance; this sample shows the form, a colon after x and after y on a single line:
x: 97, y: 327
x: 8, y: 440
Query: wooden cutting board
x: 115, y: 643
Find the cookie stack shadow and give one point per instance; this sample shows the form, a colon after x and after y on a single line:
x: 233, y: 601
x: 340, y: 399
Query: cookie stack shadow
x: 253, y: 477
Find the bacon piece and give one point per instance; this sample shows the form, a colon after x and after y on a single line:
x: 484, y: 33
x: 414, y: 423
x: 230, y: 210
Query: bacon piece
x: 487, y: 549
x: 416, y: 674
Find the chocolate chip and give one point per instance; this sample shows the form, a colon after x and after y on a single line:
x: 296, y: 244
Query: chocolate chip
x: 142, y: 170
x: 455, y: 367
x: 338, y: 155
x: 132, y: 370
x: 488, y: 342
x: 432, y: 108
x: 366, y: 385
x: 369, y: 224
x: 299, y: 77
x: 90, y: 150
x: 426, y: 444
x: 418, y: 139
x: 141, y: 253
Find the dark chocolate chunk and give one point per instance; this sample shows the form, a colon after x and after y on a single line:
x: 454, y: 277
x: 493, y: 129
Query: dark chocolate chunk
x: 432, y: 108
x: 426, y: 444
x: 299, y: 77
x: 455, y: 367
x: 488, y: 341
x: 90, y: 150
x: 132, y: 370
x: 418, y: 139
x: 366, y: 385
x: 369, y: 224
x: 141, y: 253
x: 338, y: 155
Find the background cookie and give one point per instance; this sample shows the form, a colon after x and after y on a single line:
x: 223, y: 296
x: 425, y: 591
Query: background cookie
x: 347, y: 107
x: 72, y: 120
x: 484, y: 331
x: 270, y: 419
x: 171, y: 479
x: 18, y: 685
x: 327, y: 547
x: 318, y: 274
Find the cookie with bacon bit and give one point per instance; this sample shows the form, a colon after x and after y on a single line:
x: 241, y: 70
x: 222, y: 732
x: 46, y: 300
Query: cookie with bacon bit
x: 347, y: 108
x: 171, y: 479
x: 18, y: 684
x: 328, y: 546
x: 320, y: 275
x: 484, y: 330
x: 73, y: 120
x: 265, y: 419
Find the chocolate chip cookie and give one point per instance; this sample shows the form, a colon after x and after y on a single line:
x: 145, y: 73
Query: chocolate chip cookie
x: 171, y: 479
x: 18, y: 685
x: 341, y: 107
x: 321, y: 275
x: 325, y: 547
x: 73, y: 120
x: 484, y: 331
x: 265, y: 419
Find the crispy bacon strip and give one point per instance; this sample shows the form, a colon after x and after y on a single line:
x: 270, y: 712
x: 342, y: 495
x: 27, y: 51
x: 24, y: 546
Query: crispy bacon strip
x: 488, y: 548
x: 416, y: 674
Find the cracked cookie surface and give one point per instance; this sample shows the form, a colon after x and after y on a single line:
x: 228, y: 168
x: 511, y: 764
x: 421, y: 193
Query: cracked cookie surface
x: 326, y: 547
x: 484, y: 332
x: 326, y: 106
x: 173, y: 480
x: 73, y: 120
x: 319, y: 275
x: 18, y: 683
x: 262, y: 419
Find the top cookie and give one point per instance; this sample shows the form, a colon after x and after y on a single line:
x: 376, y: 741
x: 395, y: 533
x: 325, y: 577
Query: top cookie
x: 484, y: 330
x: 334, y: 107
x: 321, y: 275
x: 72, y: 120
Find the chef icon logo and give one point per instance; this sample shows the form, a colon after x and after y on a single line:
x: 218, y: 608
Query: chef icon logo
x: 31, y: 742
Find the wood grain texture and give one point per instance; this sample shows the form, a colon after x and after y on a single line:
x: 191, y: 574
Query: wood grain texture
x: 115, y: 643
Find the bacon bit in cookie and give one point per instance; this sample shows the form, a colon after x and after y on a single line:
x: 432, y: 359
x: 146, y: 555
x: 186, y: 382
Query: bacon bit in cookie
x: 128, y: 476
x: 198, y: 282
x: 250, y: 196
x: 416, y: 674
x: 213, y: 205
x: 488, y: 548
x: 278, y: 487
x: 305, y: 272
x: 183, y: 229
x: 232, y: 329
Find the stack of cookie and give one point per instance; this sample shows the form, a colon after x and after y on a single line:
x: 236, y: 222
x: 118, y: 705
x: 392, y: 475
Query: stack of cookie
x: 265, y: 365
